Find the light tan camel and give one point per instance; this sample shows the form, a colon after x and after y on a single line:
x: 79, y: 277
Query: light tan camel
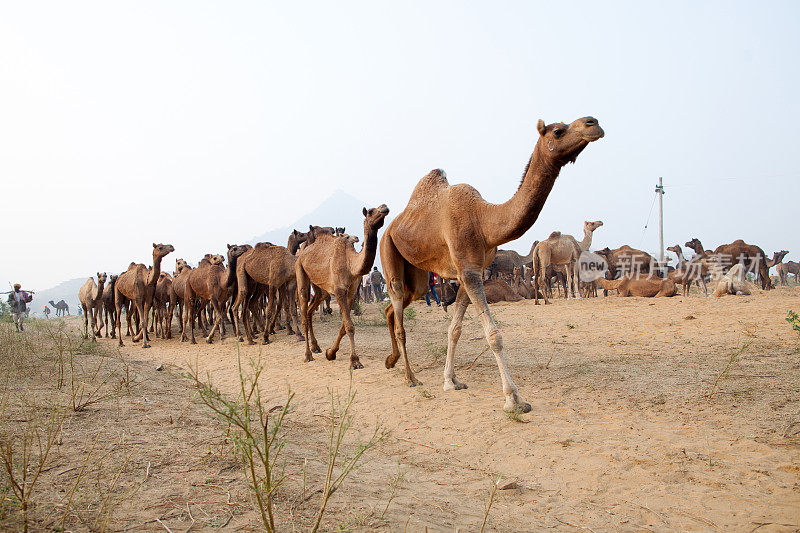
x: 91, y: 297
x: 640, y: 285
x: 138, y: 285
x: 556, y: 250
x: 332, y: 264
x: 733, y: 282
x: 451, y: 230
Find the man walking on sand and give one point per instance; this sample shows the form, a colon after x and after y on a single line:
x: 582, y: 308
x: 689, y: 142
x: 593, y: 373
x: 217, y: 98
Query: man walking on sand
x: 377, y: 284
x: 17, y: 301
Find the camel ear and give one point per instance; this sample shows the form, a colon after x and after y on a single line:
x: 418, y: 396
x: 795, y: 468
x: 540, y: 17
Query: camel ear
x: 364, y: 211
x: 541, y: 127
x: 230, y: 246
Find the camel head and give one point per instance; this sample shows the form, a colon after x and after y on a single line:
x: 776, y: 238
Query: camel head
x: 113, y: 279
x: 374, y: 217
x: 315, y: 231
x: 562, y: 143
x: 352, y: 239
x: 675, y: 249
x: 101, y: 277
x: 180, y: 264
x: 591, y: 226
x: 235, y: 250
x: 695, y: 245
x: 339, y: 231
x: 161, y: 250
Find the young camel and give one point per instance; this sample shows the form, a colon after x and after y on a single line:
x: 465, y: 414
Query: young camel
x: 451, y: 230
x: 640, y: 285
x: 138, y: 285
x: 332, y: 264
x: 91, y: 297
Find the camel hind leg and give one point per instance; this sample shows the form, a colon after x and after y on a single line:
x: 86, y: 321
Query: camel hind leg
x: 405, y: 283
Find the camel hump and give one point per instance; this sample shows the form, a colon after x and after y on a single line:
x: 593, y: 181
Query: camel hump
x: 555, y: 235
x: 260, y: 245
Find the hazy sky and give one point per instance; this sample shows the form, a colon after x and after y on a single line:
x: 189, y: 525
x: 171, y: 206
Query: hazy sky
x: 201, y: 123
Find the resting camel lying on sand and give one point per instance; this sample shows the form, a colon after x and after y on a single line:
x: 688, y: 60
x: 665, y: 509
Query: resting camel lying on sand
x: 640, y: 285
x: 733, y: 282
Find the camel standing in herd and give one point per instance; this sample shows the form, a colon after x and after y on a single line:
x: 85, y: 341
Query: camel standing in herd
x: 62, y: 309
x: 91, y: 297
x: 556, y: 250
x: 687, y: 272
x: 453, y: 231
x: 784, y: 269
x: 108, y: 304
x: 270, y: 266
x: 138, y: 285
x: 332, y: 264
x: 505, y: 261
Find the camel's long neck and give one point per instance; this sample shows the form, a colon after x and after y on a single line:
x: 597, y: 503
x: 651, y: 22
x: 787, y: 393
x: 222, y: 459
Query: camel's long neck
x: 681, y: 259
x: 230, y: 278
x: 508, y: 221
x: 586, y: 243
x: 99, y: 291
x: 367, y: 255
x: 528, y: 258
x: 777, y: 258
x: 156, y: 272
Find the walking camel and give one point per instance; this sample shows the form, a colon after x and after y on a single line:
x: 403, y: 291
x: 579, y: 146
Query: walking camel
x: 108, y: 304
x: 61, y: 307
x: 784, y: 269
x: 137, y: 285
x: 453, y: 231
x: 332, y: 264
x: 91, y: 297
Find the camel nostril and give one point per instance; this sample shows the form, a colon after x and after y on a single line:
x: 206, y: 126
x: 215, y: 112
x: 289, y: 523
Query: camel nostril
x: 591, y: 122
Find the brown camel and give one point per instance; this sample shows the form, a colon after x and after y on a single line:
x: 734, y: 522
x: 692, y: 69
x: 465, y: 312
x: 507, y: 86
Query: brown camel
x: 61, y: 307
x: 640, y: 285
x: 556, y: 250
x: 451, y: 230
x: 784, y: 269
x: 694, y: 270
x: 625, y: 260
x: 271, y: 266
x: 160, y: 302
x: 178, y: 289
x: 750, y: 255
x: 505, y: 261
x: 91, y: 297
x: 211, y: 282
x: 108, y: 305
x: 332, y: 264
x: 498, y: 290
x: 138, y: 285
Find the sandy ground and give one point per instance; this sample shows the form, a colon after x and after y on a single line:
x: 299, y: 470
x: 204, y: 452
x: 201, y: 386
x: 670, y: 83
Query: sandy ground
x: 622, y: 436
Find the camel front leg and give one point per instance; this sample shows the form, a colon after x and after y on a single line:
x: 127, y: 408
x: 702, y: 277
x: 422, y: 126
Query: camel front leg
x: 85, y: 322
x: 453, y: 334
x: 145, y: 336
x: 315, y: 303
x: 471, y: 281
x: 398, y: 297
x: 271, y: 315
x: 345, y: 305
x: 218, y: 315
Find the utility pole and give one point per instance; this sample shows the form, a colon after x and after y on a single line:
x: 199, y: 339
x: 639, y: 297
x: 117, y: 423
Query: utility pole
x: 660, y: 192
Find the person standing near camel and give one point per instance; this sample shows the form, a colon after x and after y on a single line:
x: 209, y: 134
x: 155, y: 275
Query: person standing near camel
x: 432, y: 281
x: 367, y: 288
x: 17, y: 301
x: 376, y: 278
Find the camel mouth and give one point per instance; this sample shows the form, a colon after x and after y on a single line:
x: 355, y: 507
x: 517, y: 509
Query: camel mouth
x: 595, y: 136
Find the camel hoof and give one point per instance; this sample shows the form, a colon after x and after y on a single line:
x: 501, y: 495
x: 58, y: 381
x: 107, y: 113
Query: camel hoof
x: 523, y: 407
x: 390, y: 362
x: 356, y: 365
x: 330, y: 354
x: 209, y: 340
x: 309, y: 358
x: 194, y: 341
x: 415, y: 383
x: 145, y: 346
x: 316, y: 349
x: 251, y: 343
x: 300, y: 337
x: 265, y: 341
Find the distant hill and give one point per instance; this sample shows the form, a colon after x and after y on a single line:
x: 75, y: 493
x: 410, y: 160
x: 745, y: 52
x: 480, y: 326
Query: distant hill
x: 66, y: 290
x: 340, y: 209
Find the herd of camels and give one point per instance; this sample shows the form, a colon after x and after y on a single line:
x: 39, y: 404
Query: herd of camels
x: 446, y: 229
